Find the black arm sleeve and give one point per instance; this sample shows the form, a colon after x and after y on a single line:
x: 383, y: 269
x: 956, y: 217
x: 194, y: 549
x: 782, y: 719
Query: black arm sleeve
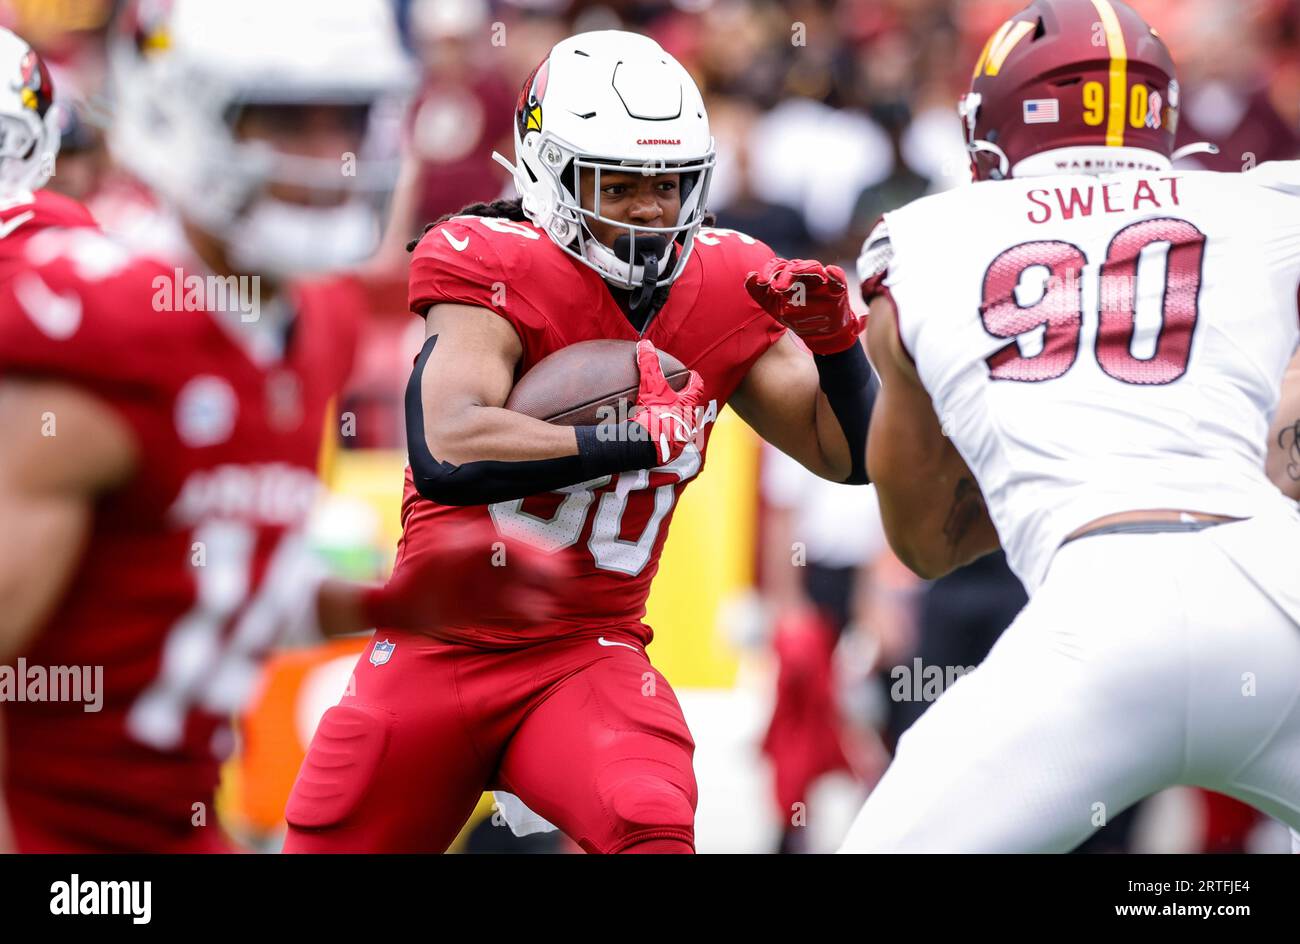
x: 850, y: 387
x: 602, y: 450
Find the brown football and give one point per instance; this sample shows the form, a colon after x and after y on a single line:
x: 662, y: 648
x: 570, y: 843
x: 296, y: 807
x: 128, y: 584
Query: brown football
x: 570, y: 386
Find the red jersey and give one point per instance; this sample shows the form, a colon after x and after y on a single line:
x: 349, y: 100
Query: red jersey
x: 195, y: 566
x: 613, y: 528
x: 24, y: 214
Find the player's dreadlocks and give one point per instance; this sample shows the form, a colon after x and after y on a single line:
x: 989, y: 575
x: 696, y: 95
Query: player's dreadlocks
x: 501, y: 209
x: 514, y: 210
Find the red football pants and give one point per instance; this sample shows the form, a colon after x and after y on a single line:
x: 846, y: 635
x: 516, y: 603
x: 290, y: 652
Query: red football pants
x: 584, y: 730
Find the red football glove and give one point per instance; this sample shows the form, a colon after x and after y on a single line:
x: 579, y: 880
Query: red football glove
x: 810, y: 299
x: 471, y: 572
x: 667, y: 416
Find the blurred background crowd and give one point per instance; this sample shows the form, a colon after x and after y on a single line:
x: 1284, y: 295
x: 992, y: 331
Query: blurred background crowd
x: 867, y: 86
x: 827, y: 113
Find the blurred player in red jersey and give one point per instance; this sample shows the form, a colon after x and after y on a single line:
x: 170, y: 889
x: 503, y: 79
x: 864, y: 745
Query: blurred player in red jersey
x: 161, y: 439
x: 613, y: 162
x: 29, y: 144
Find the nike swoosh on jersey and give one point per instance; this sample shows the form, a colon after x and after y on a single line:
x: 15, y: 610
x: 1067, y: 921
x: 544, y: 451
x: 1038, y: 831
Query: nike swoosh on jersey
x: 10, y: 225
x: 605, y: 642
x: 58, y: 316
x: 460, y: 245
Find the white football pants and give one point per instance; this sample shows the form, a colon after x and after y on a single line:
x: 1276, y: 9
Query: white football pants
x: 1142, y: 661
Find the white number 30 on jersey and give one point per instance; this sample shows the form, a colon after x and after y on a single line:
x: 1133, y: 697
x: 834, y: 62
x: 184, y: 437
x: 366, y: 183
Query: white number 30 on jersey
x: 610, y: 551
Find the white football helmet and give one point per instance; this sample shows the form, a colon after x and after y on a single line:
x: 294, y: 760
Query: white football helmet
x: 182, y: 70
x: 29, y: 120
x: 604, y: 101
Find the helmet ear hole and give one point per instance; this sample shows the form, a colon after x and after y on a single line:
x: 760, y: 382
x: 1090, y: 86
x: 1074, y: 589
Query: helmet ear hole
x: 1040, y: 30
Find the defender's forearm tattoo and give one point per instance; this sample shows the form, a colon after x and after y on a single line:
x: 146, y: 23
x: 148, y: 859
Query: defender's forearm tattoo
x: 967, y: 508
x: 1289, y: 441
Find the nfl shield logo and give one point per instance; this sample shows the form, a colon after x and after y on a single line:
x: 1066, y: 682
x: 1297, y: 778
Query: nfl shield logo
x: 382, y: 652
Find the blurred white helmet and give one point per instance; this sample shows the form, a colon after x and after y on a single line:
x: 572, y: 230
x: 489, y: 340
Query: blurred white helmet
x: 183, y: 71
x: 449, y: 19
x: 604, y: 101
x: 29, y: 122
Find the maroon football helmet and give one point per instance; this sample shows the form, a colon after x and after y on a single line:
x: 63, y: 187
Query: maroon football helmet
x: 1071, y: 86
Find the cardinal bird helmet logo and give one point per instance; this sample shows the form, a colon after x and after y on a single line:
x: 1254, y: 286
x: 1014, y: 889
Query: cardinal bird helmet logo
x: 529, y: 110
x: 34, y: 86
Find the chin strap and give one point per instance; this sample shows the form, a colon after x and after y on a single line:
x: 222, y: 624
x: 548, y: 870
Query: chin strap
x: 1004, y: 165
x: 505, y: 162
x: 649, y: 251
x: 1200, y: 147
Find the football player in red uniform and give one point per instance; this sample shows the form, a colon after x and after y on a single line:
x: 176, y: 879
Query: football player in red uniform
x: 29, y: 144
x: 161, y: 439
x: 613, y: 161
